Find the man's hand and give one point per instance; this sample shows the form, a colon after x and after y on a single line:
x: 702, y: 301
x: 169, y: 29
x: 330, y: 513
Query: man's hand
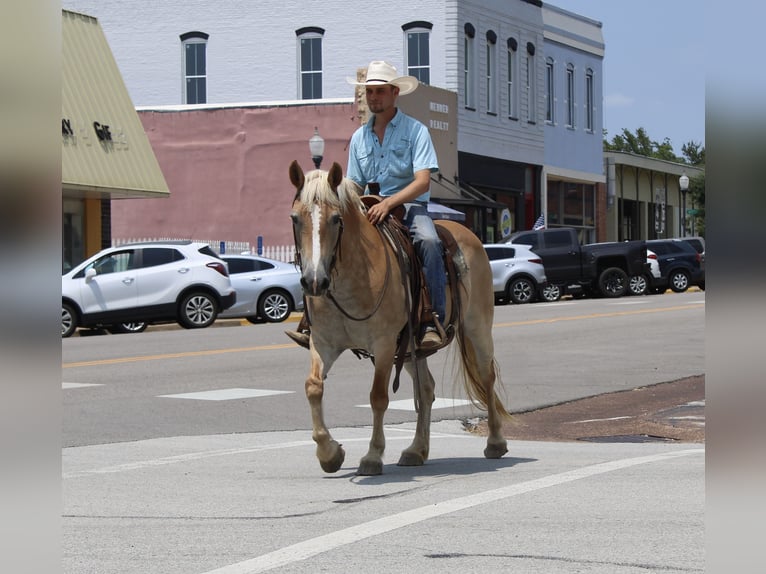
x: 378, y: 212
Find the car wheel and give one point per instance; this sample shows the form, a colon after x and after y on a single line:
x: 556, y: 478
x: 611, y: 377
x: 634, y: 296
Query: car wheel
x: 613, y: 282
x: 68, y: 320
x: 275, y: 306
x: 550, y: 293
x: 134, y: 327
x: 521, y: 290
x: 638, y: 285
x: 197, y: 311
x: 679, y: 281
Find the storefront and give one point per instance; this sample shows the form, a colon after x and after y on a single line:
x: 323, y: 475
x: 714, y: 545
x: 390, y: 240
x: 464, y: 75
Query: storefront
x: 105, y: 152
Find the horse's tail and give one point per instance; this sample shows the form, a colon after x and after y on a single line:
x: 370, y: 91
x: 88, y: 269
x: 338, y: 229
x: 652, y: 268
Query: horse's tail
x: 475, y: 388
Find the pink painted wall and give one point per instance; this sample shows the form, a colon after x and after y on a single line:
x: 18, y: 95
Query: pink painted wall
x: 227, y: 170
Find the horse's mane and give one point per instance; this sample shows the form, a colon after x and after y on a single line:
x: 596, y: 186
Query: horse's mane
x: 316, y: 189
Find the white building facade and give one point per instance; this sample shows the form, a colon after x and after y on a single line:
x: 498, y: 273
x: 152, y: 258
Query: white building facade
x: 491, y: 53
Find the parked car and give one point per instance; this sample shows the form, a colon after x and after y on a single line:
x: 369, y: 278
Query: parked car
x: 123, y: 288
x: 518, y: 274
x: 699, y: 244
x: 267, y: 290
x: 680, y: 265
x: 641, y: 284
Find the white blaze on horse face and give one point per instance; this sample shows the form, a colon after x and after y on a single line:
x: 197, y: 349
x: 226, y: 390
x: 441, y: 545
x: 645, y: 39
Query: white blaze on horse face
x: 316, y: 251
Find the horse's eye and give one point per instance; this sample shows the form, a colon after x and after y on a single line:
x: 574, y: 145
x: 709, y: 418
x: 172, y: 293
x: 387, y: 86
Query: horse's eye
x: 294, y: 217
x: 335, y: 218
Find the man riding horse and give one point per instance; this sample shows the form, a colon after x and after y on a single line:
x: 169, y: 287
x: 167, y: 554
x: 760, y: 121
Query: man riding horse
x: 392, y: 156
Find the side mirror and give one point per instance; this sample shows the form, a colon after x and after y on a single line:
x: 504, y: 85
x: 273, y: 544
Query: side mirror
x: 90, y: 274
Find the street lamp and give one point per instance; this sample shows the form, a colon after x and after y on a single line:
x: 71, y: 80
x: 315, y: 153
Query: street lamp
x: 683, y: 185
x: 316, y: 146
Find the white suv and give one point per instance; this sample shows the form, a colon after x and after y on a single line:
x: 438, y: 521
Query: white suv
x: 123, y: 287
x: 518, y: 274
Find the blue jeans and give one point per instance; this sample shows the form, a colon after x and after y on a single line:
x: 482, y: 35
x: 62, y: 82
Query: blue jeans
x: 429, y: 249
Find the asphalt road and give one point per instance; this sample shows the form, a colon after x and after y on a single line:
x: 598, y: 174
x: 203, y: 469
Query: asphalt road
x: 154, y: 482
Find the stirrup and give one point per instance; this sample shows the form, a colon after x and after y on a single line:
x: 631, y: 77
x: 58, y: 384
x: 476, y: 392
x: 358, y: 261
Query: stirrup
x: 300, y: 337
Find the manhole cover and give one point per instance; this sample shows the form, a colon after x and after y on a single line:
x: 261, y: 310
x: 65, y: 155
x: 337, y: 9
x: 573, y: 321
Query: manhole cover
x: 627, y: 438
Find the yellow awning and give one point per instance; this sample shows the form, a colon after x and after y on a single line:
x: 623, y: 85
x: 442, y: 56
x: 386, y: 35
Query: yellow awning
x: 105, y: 150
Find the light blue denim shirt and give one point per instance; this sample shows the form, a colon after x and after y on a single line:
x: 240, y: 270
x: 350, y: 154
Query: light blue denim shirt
x: 407, y: 148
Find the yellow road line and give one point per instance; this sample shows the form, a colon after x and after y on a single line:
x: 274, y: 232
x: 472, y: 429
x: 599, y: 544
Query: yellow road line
x: 161, y: 357
x: 598, y: 315
x: 119, y: 360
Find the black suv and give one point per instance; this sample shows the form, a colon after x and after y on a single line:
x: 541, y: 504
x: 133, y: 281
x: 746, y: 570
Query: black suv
x: 681, y: 266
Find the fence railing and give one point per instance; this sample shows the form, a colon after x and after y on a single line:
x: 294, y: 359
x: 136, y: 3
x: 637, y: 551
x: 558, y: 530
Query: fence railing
x: 277, y: 252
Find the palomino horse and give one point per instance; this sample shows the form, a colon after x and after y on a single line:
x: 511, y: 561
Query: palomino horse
x: 355, y: 298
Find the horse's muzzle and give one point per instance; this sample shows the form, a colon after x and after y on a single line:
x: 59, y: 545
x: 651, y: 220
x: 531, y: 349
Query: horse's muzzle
x: 315, y: 284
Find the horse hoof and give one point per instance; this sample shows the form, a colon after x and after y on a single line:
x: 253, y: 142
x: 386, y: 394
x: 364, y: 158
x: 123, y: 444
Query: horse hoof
x: 334, y: 463
x: 370, y: 468
x: 495, y: 450
x: 411, y: 459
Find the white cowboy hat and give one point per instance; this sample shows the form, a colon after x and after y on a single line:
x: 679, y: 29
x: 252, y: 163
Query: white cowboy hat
x: 380, y: 73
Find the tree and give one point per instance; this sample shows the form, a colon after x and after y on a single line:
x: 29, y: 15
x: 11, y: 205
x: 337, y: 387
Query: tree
x: 697, y: 195
x: 694, y: 153
x: 641, y: 144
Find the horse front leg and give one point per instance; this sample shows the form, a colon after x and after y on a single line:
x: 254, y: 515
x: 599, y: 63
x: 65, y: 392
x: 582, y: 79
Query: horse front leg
x: 417, y: 453
x: 372, y: 462
x: 329, y: 452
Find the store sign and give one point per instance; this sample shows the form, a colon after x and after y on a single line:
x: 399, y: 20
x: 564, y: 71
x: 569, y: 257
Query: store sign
x: 106, y: 135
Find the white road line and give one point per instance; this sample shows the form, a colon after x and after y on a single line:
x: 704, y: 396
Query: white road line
x: 142, y: 464
x: 79, y: 385
x: 409, y: 404
x: 226, y: 394
x: 327, y: 542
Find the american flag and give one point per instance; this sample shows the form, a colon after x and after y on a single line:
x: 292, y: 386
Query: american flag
x: 540, y: 223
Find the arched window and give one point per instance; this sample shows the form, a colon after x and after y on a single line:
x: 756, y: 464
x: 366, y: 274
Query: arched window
x: 194, y: 46
x: 550, y: 92
x: 589, y: 101
x: 570, y: 96
x: 491, y: 84
x: 309, y: 62
x: 469, y: 70
x: 512, y: 83
x: 531, y: 84
x: 417, y: 38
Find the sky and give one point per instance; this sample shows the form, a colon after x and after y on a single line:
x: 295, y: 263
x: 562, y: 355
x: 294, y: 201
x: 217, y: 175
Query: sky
x: 654, y: 66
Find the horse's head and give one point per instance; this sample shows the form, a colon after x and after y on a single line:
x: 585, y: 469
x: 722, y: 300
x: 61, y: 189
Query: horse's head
x: 317, y: 218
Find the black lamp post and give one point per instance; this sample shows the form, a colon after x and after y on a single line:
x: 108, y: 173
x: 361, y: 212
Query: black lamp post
x: 316, y: 146
x: 683, y: 185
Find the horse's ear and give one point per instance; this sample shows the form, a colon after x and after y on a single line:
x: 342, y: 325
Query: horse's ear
x: 335, y: 176
x: 296, y: 175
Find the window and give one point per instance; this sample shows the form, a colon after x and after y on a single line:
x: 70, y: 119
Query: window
x: 495, y: 253
x: 195, y: 67
x: 237, y: 266
x: 531, y: 81
x: 418, y: 50
x: 558, y: 239
x: 511, y: 84
x: 153, y: 256
x: 310, y: 63
x: 531, y: 239
x: 491, y: 79
x: 570, y: 96
x: 589, y: 100
x: 549, y: 91
x: 116, y: 262
x: 468, y: 67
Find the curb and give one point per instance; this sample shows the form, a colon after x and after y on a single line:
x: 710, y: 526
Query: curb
x: 87, y: 332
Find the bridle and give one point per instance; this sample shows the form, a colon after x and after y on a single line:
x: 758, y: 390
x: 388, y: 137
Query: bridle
x: 336, y: 256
